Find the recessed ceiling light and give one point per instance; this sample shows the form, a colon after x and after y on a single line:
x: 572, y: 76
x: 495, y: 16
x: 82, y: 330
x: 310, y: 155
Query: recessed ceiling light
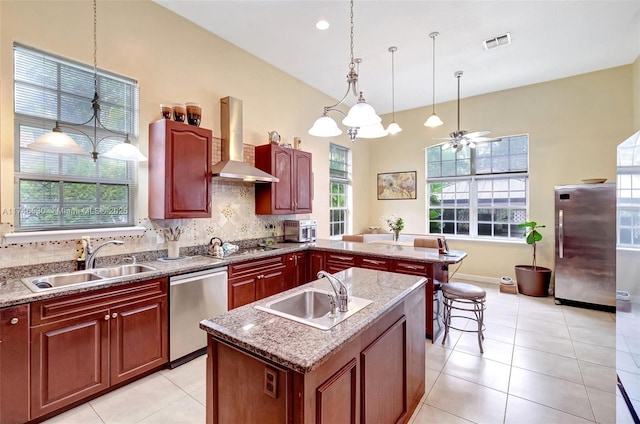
x: 322, y: 24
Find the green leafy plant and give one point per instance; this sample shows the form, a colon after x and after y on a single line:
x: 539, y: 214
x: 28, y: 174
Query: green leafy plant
x: 533, y: 236
x: 396, y: 224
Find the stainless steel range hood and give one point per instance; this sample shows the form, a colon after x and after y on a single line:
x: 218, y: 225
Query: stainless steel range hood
x: 232, y: 167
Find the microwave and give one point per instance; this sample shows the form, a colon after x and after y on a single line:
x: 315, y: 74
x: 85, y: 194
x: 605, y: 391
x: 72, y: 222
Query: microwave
x: 301, y: 230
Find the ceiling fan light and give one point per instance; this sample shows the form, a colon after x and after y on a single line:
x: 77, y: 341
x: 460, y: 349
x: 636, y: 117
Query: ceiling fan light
x: 325, y: 127
x: 361, y: 115
x: 393, y: 128
x: 125, y: 151
x: 372, y: 131
x: 56, y: 142
x: 433, y: 121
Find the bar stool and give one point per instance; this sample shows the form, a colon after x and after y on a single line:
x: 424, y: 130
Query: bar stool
x: 466, y: 298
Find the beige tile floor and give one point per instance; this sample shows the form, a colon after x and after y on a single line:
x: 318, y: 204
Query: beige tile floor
x: 542, y: 363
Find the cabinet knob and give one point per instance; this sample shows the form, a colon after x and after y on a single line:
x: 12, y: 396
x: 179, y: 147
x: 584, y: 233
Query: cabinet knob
x: 114, y: 315
x: 14, y: 321
x: 106, y: 317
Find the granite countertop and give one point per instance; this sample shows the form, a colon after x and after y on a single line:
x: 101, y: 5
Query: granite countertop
x: 14, y: 292
x: 301, y: 347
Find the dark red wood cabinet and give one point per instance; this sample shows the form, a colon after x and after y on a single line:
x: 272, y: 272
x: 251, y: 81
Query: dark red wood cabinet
x: 14, y: 364
x: 254, y: 280
x: 83, y: 344
x: 179, y: 170
x: 294, y: 192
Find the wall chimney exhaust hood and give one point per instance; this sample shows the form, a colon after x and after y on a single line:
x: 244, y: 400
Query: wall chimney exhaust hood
x: 232, y: 167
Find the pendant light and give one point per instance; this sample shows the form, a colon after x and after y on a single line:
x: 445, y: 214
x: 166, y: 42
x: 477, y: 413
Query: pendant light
x: 393, y: 127
x: 58, y: 142
x: 434, y: 120
x: 360, y: 115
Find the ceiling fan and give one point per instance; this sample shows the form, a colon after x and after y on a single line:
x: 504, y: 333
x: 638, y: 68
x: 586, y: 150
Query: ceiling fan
x: 460, y: 138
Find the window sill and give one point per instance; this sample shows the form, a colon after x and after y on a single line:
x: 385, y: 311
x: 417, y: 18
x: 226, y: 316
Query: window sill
x: 481, y: 239
x: 44, y: 236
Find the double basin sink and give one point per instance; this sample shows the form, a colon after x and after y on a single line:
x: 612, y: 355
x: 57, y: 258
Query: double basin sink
x: 312, y: 307
x: 86, y: 277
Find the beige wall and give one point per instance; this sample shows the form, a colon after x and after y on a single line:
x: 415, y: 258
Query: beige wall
x: 574, y: 125
x: 636, y: 94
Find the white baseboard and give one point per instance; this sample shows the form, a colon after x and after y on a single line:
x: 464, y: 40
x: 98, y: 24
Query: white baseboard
x: 478, y: 278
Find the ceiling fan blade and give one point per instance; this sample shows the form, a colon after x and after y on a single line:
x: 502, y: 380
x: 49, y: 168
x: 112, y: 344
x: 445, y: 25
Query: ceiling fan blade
x: 442, y: 138
x: 476, y: 134
x: 479, y: 139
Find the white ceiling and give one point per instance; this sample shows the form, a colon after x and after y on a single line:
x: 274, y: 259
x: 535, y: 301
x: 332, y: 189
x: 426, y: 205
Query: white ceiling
x: 550, y: 40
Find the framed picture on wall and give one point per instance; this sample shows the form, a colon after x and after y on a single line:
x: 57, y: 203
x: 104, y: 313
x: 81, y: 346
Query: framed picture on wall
x: 397, y: 185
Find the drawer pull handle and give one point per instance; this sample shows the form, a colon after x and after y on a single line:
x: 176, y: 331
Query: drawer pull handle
x: 106, y: 317
x: 371, y: 261
x: 343, y: 258
x: 14, y: 321
x: 114, y: 315
x: 411, y: 267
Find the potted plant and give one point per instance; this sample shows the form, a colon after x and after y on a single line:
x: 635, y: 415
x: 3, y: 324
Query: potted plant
x: 533, y: 280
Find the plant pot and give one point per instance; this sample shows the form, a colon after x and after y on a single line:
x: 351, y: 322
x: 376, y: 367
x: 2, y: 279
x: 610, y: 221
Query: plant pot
x: 533, y: 282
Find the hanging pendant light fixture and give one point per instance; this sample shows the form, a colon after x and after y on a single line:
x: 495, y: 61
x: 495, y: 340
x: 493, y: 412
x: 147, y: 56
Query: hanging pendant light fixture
x: 393, y: 127
x: 434, y: 120
x: 360, y: 115
x: 58, y: 142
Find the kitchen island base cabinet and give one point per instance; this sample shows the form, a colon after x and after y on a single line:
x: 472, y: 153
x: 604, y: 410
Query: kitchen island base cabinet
x: 84, y: 344
x: 378, y: 377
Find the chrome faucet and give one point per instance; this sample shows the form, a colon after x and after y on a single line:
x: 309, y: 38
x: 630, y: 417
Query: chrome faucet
x: 90, y: 253
x: 342, y: 296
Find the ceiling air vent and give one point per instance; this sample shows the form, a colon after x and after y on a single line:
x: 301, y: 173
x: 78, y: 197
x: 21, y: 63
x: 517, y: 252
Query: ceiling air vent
x: 500, y: 40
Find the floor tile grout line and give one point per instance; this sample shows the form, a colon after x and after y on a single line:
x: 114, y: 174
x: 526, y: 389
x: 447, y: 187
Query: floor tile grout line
x: 551, y: 407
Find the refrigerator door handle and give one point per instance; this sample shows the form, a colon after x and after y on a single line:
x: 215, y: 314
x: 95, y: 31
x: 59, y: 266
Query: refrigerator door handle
x: 560, y: 234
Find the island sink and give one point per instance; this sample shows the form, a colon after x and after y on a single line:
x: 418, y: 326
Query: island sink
x: 312, y: 307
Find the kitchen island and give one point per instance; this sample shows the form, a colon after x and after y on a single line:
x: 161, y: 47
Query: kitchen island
x: 368, y: 368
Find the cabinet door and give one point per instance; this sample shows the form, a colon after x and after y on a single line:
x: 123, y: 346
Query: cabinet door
x: 69, y: 361
x: 14, y: 364
x: 335, y: 262
x: 316, y: 264
x: 179, y: 170
x: 270, y: 283
x: 296, y: 270
x: 384, y: 376
x: 242, y: 290
x: 336, y: 398
x: 303, y: 182
x: 138, y: 333
x: 283, y: 194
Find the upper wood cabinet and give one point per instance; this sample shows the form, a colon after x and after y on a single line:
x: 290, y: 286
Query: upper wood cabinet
x: 294, y: 192
x: 179, y: 170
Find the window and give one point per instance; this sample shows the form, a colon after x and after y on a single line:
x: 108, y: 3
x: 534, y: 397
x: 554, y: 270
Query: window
x: 479, y: 192
x: 628, y: 196
x: 63, y: 191
x: 340, y: 180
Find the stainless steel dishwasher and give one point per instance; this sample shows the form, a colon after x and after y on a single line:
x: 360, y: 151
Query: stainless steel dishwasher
x: 193, y: 297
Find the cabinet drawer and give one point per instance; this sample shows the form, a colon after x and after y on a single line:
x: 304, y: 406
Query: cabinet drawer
x: 76, y: 305
x: 373, y: 263
x: 257, y: 266
x: 413, y: 268
x: 342, y: 259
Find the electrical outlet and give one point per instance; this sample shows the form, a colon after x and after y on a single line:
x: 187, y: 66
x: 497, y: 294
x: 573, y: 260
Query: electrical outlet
x: 159, y: 237
x: 271, y: 382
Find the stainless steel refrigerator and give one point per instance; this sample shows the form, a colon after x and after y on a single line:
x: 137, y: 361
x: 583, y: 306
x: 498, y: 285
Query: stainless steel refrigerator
x: 585, y: 265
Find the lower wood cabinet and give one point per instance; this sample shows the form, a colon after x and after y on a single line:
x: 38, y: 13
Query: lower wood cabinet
x: 253, y: 280
x: 83, y: 344
x: 296, y: 270
x: 377, y: 377
x: 14, y: 364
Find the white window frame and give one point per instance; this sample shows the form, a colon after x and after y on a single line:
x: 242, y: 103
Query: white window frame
x: 345, y: 182
x: 467, y: 226
x: 98, y: 213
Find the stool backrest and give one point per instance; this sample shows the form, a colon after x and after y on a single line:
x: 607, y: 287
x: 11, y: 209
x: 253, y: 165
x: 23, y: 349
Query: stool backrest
x: 354, y: 237
x: 426, y: 242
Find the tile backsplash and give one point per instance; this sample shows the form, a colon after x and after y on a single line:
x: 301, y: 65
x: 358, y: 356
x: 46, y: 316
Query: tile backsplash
x: 232, y: 219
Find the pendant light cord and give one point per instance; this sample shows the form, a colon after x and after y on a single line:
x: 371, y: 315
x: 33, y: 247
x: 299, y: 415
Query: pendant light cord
x: 393, y: 84
x: 458, y: 75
